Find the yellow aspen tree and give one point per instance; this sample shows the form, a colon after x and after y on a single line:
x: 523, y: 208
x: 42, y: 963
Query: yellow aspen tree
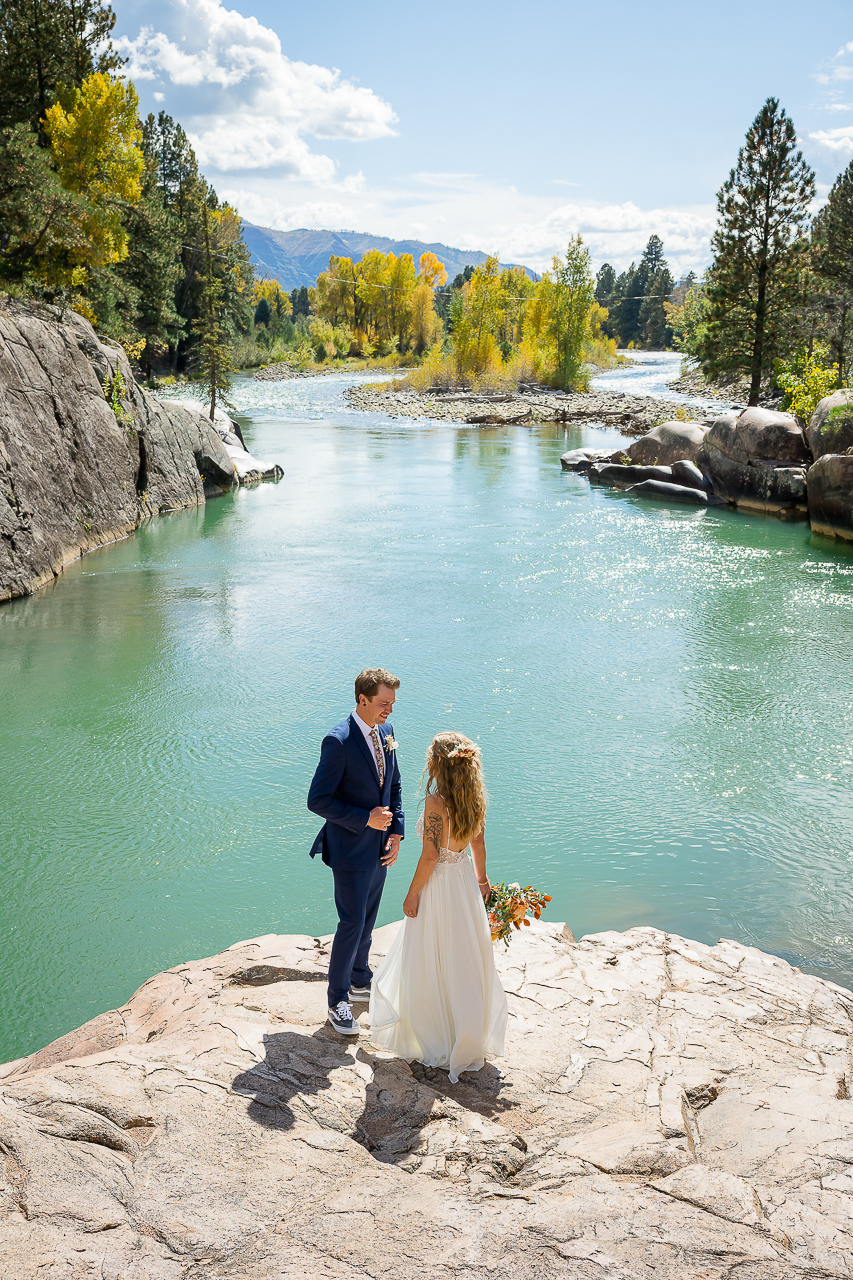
x: 400, y: 283
x: 424, y: 325
x: 96, y: 148
x: 271, y: 290
x: 431, y: 272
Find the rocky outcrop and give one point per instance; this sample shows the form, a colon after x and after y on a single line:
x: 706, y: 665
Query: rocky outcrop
x: 73, y: 474
x: 830, y: 496
x: 682, y: 482
x: 757, y: 459
x: 830, y: 428
x: 247, y: 469
x: 669, y: 442
x: 665, y: 1111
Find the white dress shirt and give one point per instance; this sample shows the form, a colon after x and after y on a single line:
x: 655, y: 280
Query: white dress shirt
x: 367, y: 730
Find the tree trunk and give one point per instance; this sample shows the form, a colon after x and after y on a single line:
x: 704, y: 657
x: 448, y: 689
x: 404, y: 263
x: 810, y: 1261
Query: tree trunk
x: 760, y: 316
x: 841, y: 342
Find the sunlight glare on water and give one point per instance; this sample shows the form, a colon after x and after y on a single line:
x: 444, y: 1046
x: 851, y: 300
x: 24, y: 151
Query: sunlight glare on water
x: 662, y: 696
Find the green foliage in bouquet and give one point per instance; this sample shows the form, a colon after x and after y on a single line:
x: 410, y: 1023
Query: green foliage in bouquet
x: 509, y: 905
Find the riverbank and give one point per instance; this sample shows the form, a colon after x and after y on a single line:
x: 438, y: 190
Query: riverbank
x: 660, y: 1103
x: 631, y: 415
x: 733, y: 390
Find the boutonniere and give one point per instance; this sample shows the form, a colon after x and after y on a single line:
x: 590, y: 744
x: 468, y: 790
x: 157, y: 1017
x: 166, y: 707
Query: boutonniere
x: 390, y: 743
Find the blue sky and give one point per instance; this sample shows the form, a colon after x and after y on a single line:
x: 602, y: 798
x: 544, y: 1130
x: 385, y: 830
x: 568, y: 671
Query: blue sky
x: 503, y: 128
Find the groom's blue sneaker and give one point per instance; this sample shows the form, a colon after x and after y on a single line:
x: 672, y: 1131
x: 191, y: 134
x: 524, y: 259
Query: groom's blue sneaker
x: 342, y: 1020
x: 360, y: 993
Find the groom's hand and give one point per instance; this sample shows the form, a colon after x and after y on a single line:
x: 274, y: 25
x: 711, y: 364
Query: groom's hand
x: 392, y: 849
x: 380, y: 819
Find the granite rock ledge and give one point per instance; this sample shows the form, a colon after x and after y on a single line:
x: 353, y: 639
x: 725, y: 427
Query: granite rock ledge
x: 74, y: 475
x: 665, y: 1111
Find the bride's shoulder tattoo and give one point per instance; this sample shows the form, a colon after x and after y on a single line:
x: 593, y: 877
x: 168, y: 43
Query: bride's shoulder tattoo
x: 433, y: 826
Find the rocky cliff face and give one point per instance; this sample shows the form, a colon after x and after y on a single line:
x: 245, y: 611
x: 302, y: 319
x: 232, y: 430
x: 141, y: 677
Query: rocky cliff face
x: 73, y: 474
x: 665, y: 1111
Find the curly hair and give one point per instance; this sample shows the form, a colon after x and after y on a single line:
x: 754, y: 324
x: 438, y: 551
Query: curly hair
x: 455, y: 773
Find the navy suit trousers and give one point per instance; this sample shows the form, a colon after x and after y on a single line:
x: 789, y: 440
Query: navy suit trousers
x: 357, y: 896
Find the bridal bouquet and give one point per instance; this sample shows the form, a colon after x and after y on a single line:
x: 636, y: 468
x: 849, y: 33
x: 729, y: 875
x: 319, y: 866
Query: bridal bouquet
x: 509, y: 905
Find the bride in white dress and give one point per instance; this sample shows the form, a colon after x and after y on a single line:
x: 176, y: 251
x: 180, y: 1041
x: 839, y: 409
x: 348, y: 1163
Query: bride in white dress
x: 436, y: 997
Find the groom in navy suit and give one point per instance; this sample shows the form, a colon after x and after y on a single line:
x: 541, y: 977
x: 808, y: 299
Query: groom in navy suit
x: 356, y: 790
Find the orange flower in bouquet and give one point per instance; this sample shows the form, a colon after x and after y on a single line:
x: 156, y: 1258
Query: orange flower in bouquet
x: 509, y: 906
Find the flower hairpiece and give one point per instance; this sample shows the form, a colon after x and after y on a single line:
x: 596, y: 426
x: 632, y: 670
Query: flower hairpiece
x: 464, y: 752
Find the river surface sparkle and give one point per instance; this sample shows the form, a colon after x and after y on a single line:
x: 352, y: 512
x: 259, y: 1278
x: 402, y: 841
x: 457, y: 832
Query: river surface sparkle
x: 662, y: 695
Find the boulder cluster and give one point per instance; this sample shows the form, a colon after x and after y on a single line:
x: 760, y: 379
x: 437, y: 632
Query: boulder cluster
x: 755, y: 459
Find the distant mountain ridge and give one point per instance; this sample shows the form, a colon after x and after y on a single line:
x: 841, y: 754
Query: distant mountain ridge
x: 296, y: 258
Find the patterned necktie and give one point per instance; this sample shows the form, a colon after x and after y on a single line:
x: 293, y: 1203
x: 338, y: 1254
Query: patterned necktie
x: 378, y: 752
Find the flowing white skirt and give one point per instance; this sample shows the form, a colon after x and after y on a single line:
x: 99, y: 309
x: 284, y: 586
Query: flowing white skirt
x: 436, y: 997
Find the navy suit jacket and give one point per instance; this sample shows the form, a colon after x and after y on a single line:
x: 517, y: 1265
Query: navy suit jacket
x: 343, y: 791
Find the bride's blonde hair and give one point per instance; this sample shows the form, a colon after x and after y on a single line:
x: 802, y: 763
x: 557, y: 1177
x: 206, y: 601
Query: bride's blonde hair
x: 455, y: 771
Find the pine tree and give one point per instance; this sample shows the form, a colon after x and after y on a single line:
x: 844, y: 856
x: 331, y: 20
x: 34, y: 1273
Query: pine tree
x: 45, y: 44
x: 832, y: 256
x: 40, y: 221
x: 654, y: 332
x: 152, y: 270
x: 632, y: 288
x: 213, y: 356
x: 757, y: 278
x: 622, y: 315
x: 605, y: 283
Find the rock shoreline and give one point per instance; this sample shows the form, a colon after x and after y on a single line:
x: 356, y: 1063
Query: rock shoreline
x: 757, y: 460
x: 632, y: 415
x: 74, y: 475
x: 734, y: 391
x: 665, y: 1110
x: 281, y: 372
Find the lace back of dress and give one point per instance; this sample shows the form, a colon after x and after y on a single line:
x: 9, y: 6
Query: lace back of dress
x: 445, y: 854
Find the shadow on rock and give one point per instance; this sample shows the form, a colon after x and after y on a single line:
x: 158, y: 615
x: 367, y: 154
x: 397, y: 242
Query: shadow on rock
x: 477, y: 1091
x: 295, y: 1067
x: 415, y: 1118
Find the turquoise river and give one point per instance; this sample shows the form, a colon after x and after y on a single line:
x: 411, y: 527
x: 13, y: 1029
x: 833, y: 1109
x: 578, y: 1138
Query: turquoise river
x: 663, y: 698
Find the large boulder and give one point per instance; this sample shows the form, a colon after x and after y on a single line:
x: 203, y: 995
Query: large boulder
x: 830, y: 428
x: 830, y: 491
x: 757, y: 460
x: 663, y: 1109
x: 665, y: 492
x: 619, y: 476
x: 687, y: 473
x: 667, y: 442
x: 581, y: 459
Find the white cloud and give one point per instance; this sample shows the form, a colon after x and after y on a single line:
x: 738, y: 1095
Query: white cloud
x: 245, y: 104
x: 838, y: 73
x: 471, y: 212
x: 840, y: 139
x: 253, y: 114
